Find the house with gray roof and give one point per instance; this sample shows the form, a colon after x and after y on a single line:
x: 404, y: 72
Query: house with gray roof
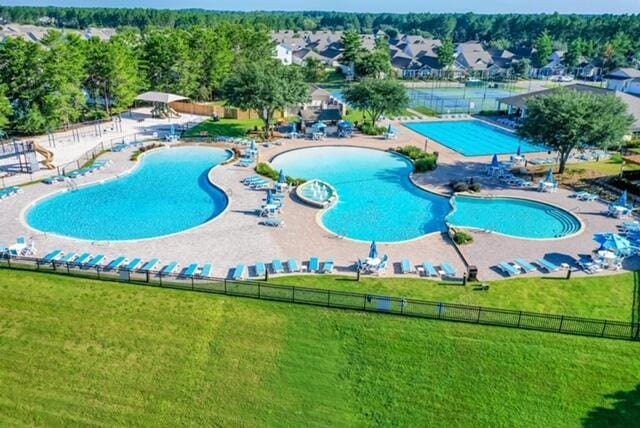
x: 624, y: 79
x: 517, y: 104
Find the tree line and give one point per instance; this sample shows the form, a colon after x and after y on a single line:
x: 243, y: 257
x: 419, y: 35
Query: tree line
x: 513, y: 29
x: 67, y: 78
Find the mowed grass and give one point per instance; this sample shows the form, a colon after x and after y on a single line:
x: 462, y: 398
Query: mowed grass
x: 224, y: 127
x: 80, y: 352
x: 610, y: 297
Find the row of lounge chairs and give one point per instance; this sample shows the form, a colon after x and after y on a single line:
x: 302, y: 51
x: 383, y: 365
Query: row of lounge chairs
x: 512, y: 180
x: 542, y: 161
x: 256, y: 182
x: 260, y: 269
x: 520, y: 266
x: 507, y: 122
x: 454, y: 116
x: 91, y: 261
x: 20, y: 248
x: 585, y: 196
x: 96, y: 166
x: 428, y: 269
x: 124, y: 146
x: 7, y: 192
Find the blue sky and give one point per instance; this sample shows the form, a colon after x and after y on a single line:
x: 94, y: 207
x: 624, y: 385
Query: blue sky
x: 479, y: 6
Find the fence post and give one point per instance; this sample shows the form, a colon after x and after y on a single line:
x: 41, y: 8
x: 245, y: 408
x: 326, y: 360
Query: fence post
x: 98, y: 271
x: 604, y: 327
x: 561, y: 321
x: 225, y: 285
x: 328, y: 297
x: 519, y: 318
x: 259, y: 290
x: 192, y: 284
x: 637, y: 335
x: 479, y: 312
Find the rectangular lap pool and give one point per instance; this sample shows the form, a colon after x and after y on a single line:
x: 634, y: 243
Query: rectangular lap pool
x: 473, y: 137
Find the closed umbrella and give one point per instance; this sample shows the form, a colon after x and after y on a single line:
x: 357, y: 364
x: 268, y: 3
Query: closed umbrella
x: 549, y: 178
x: 519, y: 151
x: 495, y: 162
x: 282, y: 179
x: 253, y: 145
x: 622, y: 201
x: 373, y: 250
x: 294, y: 127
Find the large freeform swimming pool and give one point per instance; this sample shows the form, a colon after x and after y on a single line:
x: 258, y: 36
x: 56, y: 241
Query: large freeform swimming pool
x: 169, y: 192
x: 473, y: 137
x: 378, y: 201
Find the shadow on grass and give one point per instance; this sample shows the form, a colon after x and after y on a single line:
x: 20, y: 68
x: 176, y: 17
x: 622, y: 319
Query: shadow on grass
x: 624, y: 411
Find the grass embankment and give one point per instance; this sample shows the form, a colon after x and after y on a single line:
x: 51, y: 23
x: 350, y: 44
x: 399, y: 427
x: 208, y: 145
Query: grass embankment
x: 80, y: 352
x: 224, y: 127
x: 609, y: 297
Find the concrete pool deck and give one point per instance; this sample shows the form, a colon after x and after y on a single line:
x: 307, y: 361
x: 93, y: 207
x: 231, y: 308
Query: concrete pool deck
x: 236, y: 237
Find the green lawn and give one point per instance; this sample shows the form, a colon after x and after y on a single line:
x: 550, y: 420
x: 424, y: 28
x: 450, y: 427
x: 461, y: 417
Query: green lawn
x: 224, y: 127
x: 425, y: 110
x: 609, y: 297
x: 79, y: 352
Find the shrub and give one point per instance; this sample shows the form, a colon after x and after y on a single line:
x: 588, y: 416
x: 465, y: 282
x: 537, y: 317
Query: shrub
x: 616, y: 158
x: 460, y: 186
x: 423, y: 161
x: 265, y: 169
x: 426, y: 164
x: 475, y: 187
x: 462, y: 238
x: 141, y: 150
x: 633, y: 144
x: 369, y: 129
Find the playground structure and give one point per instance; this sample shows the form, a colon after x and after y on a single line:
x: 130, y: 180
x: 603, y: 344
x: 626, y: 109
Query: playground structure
x: 26, y: 157
x: 161, y: 102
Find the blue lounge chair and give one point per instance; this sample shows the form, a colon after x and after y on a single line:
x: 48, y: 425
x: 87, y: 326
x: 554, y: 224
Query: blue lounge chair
x: 276, y: 265
x: 525, y: 265
x: 96, y: 261
x: 53, y: 256
x: 190, y: 271
x: 508, y: 269
x: 21, y: 240
x: 239, y: 272
x: 251, y: 177
x: 429, y: 270
x: 206, y: 270
x: 261, y: 269
x: 170, y: 268
x: 134, y: 264
x: 82, y: 259
x: 547, y: 265
x: 69, y: 257
x: 448, y: 270
x: 314, y: 264
x: 328, y: 266
x: 294, y: 266
x: 406, y: 266
x: 117, y: 262
x: 151, y: 265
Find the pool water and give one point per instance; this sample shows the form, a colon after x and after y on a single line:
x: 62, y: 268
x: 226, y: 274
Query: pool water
x: 378, y: 201
x: 515, y: 217
x: 169, y: 192
x: 473, y: 137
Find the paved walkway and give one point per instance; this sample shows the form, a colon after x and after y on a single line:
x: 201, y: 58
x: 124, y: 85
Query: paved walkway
x: 235, y: 237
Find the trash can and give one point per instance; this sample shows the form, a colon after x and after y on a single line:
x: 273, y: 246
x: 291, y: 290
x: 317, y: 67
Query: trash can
x: 472, y: 273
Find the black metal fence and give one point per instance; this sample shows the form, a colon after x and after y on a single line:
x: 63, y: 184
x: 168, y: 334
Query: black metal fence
x: 346, y: 300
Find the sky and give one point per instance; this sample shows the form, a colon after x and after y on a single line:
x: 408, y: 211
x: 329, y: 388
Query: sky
x: 478, y: 6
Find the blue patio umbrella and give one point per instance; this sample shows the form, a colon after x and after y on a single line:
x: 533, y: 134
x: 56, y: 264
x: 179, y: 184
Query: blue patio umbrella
x: 318, y: 125
x: 549, y: 177
x: 519, y: 151
x: 494, y: 161
x: 294, y: 127
x: 282, y: 179
x: 373, y: 250
x: 345, y: 124
x: 622, y: 201
x: 172, y: 130
x: 612, y: 242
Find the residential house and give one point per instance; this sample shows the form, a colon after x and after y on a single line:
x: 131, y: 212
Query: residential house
x: 284, y: 53
x: 517, y: 104
x: 624, y: 79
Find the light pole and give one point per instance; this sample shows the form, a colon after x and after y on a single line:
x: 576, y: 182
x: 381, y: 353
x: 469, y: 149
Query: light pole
x: 426, y: 141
